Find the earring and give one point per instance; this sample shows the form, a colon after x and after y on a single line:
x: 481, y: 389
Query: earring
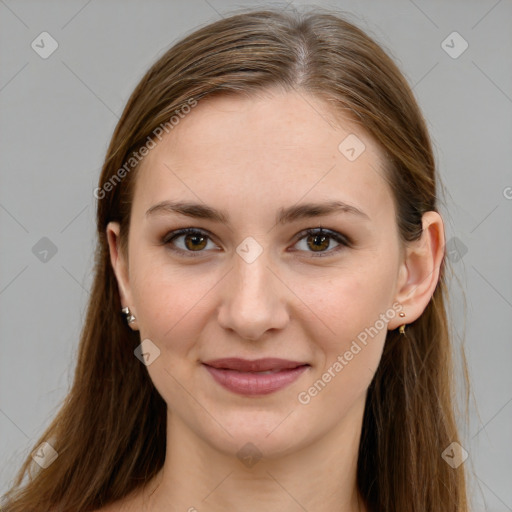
x: 402, y: 327
x: 129, y: 317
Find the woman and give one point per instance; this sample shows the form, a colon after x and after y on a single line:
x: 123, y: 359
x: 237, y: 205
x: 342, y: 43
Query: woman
x: 267, y: 325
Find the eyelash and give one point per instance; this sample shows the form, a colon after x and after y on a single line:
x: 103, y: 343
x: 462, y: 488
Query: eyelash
x: 338, y: 237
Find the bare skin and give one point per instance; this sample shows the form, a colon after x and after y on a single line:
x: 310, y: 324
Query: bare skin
x: 251, y: 158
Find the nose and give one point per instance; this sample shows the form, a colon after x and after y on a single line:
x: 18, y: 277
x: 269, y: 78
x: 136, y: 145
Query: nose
x: 253, y: 299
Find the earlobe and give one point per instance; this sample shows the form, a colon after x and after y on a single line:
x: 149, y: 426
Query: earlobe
x: 419, y: 274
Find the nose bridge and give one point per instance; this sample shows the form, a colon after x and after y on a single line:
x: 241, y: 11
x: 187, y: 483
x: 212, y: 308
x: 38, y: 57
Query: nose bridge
x: 253, y: 301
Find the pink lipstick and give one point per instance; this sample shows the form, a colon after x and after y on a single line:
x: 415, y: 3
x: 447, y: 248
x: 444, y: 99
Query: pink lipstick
x: 257, y: 377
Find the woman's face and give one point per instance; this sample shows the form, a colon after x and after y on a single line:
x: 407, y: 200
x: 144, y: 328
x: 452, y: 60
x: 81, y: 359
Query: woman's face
x: 249, y: 287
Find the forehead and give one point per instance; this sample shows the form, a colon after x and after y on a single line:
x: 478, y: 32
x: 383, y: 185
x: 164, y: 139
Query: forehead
x: 272, y: 149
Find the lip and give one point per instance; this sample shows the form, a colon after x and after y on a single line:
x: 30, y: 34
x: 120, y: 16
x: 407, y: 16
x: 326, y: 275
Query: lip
x: 239, y: 375
x: 256, y: 365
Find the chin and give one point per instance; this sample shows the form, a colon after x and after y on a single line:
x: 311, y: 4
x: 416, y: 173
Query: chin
x: 259, y: 434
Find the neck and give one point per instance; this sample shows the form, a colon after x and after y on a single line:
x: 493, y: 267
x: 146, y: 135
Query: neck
x: 198, y: 477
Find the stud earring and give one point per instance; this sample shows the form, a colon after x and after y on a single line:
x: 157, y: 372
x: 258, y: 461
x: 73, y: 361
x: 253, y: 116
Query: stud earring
x: 402, y: 327
x: 129, y: 317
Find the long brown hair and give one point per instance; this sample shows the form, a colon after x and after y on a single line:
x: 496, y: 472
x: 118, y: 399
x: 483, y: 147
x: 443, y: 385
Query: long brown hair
x: 110, y: 432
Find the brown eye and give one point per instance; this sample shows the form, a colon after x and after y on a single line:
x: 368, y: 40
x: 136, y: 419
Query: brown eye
x: 187, y: 241
x: 319, y: 240
x: 194, y: 242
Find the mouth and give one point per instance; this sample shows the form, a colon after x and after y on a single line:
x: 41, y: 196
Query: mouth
x: 258, y: 377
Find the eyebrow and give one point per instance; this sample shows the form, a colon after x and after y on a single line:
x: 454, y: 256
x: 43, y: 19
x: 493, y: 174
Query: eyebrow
x: 284, y: 215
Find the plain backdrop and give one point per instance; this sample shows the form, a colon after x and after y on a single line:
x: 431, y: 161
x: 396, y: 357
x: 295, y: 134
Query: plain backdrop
x: 58, y: 114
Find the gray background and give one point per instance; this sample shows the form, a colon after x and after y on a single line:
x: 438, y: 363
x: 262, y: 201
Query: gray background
x: 58, y: 114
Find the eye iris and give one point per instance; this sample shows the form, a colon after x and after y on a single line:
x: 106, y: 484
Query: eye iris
x: 195, y: 245
x: 319, y: 242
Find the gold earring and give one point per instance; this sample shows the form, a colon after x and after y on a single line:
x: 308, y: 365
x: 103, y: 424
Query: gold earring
x: 402, y: 327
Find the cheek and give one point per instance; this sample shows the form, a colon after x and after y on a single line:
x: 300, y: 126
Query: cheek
x: 170, y: 300
x: 352, y: 311
x: 349, y: 302
x: 350, y: 346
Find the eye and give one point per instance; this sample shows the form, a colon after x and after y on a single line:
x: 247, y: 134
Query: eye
x: 319, y: 240
x: 194, y: 240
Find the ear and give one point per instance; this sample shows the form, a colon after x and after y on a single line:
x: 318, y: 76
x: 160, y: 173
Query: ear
x: 120, y: 267
x: 419, y: 273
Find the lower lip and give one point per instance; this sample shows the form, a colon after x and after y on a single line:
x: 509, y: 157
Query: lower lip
x: 250, y: 383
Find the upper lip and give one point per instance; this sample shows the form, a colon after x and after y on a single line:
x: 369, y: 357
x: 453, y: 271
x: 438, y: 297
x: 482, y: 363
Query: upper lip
x: 257, y: 365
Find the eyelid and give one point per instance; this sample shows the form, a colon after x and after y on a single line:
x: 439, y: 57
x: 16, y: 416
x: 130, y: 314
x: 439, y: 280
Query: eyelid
x: 172, y: 235
x: 185, y: 231
x: 340, y: 238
